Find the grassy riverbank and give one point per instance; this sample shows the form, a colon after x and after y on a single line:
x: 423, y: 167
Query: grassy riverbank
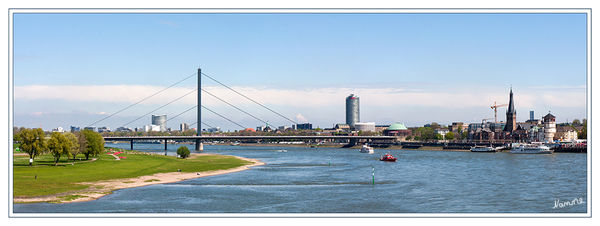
x: 44, y: 178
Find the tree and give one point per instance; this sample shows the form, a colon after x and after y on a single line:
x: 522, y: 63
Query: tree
x: 82, y: 142
x: 94, y: 143
x: 183, y: 152
x: 424, y: 133
x: 576, y: 122
x: 74, y: 150
x: 32, y: 142
x: 439, y: 136
x: 59, y: 145
x: 449, y: 136
x: 583, y: 132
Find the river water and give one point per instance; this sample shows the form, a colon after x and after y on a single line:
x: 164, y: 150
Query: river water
x: 337, y: 180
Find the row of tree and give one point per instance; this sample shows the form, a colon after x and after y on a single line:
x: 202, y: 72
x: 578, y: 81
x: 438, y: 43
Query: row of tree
x: 428, y: 133
x: 34, y: 142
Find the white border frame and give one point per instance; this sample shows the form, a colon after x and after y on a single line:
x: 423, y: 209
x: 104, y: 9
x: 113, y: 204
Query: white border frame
x: 586, y: 11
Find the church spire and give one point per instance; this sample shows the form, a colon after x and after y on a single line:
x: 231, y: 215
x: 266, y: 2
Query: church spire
x: 511, y: 115
x: 511, y: 104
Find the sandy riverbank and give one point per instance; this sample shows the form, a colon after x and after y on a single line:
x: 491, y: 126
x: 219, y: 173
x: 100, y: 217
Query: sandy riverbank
x: 101, y: 188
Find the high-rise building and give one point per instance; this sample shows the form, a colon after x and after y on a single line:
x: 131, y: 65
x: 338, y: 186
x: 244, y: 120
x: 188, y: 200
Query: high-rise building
x: 184, y: 127
x: 302, y: 126
x: 352, y: 110
x: 161, y: 121
x: 531, y: 115
x: 511, y: 115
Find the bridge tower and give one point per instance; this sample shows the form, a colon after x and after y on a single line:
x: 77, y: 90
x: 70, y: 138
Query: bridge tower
x: 199, y: 146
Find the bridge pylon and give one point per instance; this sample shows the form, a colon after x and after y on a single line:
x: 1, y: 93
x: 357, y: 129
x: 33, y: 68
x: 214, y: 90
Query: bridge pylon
x: 199, y: 145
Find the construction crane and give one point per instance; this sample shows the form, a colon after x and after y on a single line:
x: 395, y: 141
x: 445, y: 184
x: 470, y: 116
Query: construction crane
x: 495, y: 107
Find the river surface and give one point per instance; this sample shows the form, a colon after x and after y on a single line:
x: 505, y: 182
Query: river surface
x: 337, y: 180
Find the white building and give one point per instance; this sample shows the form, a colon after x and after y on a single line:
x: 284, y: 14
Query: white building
x: 365, y: 126
x: 549, y: 127
x: 59, y: 129
x: 183, y: 127
x: 154, y: 128
x: 442, y: 131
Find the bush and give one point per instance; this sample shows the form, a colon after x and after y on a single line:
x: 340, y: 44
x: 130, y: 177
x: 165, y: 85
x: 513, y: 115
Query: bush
x: 183, y: 152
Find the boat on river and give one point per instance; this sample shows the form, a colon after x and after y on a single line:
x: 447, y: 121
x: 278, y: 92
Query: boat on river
x: 530, y: 149
x: 477, y: 148
x: 366, y: 149
x: 388, y: 158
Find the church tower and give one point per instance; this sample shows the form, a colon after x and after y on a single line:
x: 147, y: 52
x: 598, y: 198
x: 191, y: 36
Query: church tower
x: 511, y: 115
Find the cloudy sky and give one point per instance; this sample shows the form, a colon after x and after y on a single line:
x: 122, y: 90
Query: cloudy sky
x: 74, y: 69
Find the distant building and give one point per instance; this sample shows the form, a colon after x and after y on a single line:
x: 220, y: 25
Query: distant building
x: 364, y: 126
x: 381, y: 128
x: 161, y: 121
x: 531, y: 115
x: 549, y: 127
x: 342, y: 127
x: 183, y: 127
x: 304, y: 126
x: 152, y: 128
x: 458, y: 126
x: 399, y: 130
x: 214, y: 129
x: 124, y: 129
x: 352, y: 110
x: 441, y: 131
x: 58, y: 129
x: 75, y: 129
x: 103, y: 129
x: 566, y: 133
x: 261, y: 128
x: 283, y: 128
x: 90, y: 128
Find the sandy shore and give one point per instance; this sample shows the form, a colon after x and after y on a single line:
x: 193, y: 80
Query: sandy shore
x: 101, y: 188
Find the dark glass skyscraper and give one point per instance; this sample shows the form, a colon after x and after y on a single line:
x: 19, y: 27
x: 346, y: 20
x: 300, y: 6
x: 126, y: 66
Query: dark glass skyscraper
x: 352, y: 110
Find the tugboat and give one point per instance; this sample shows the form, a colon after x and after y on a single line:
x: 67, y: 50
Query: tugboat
x: 388, y: 158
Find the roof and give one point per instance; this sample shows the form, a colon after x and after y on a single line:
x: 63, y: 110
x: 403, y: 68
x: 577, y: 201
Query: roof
x: 397, y: 126
x: 549, y: 116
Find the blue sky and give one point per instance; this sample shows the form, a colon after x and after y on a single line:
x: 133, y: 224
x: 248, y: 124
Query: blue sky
x: 450, y: 66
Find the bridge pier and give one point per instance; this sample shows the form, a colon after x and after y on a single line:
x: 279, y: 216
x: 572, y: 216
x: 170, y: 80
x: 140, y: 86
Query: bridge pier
x: 165, y: 147
x: 199, y: 145
x: 131, y: 144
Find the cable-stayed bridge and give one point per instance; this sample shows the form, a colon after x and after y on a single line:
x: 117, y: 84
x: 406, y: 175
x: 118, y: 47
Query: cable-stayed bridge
x: 198, y: 138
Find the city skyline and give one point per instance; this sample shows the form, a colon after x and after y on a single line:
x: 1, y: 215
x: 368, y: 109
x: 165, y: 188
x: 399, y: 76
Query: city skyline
x: 74, y: 69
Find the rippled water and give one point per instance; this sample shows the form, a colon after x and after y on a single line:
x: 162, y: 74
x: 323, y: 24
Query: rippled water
x: 336, y: 180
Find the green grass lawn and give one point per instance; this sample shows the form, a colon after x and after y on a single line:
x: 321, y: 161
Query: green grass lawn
x: 44, y: 178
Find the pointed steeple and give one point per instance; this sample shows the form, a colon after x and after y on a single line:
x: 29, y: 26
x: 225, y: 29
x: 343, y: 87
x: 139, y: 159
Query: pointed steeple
x: 511, y: 104
x: 511, y: 115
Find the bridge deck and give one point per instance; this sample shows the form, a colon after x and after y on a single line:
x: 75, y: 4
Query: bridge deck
x: 248, y: 137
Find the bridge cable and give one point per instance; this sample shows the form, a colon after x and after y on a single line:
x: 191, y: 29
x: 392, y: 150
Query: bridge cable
x: 249, y: 98
x: 189, y: 109
x: 143, y: 99
x: 237, y: 108
x: 176, y: 99
x: 209, y: 126
x: 223, y: 117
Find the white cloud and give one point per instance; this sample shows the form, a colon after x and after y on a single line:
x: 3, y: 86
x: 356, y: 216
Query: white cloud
x: 454, y: 97
x: 301, y: 118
